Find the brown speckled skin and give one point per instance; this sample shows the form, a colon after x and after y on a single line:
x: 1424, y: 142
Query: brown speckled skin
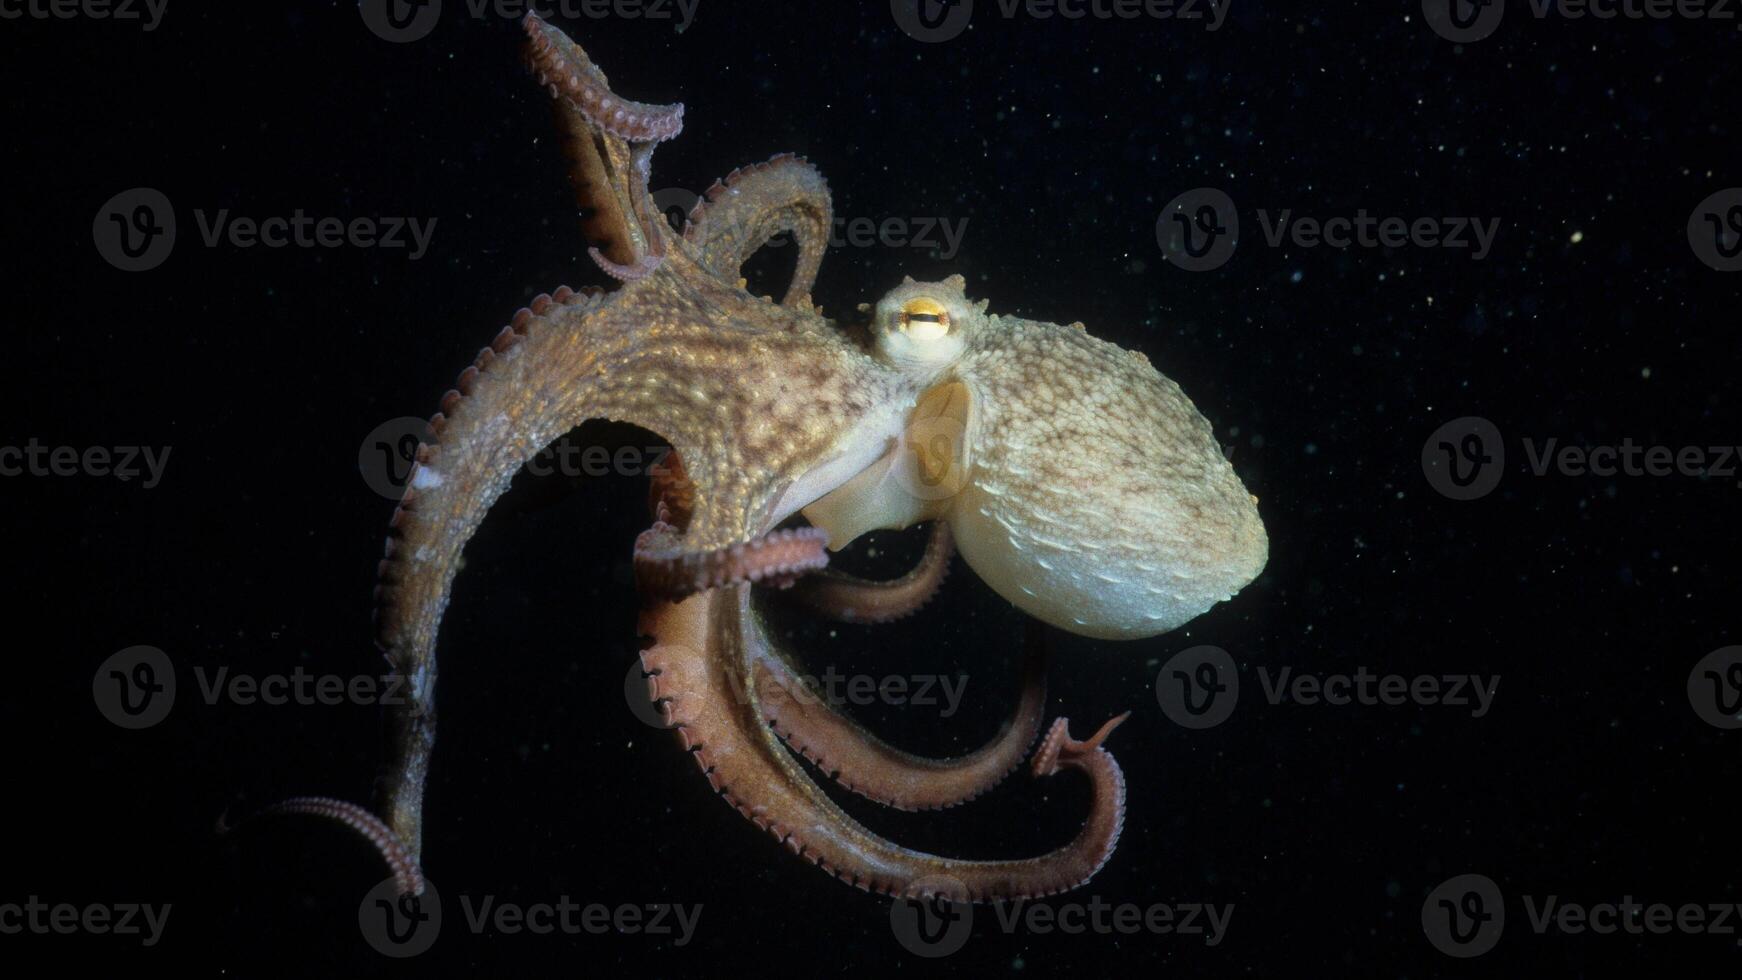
x: 1087, y: 471
x: 751, y: 395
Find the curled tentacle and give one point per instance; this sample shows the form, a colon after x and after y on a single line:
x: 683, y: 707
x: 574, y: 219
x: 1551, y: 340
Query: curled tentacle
x: 857, y: 600
x: 608, y: 141
x: 878, y: 771
x: 702, y: 657
x: 567, y: 70
x: 407, y: 877
x: 625, y: 273
x: 664, y: 568
x: 743, y: 212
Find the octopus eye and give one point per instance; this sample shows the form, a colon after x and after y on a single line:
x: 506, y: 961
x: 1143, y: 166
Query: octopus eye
x: 924, y: 319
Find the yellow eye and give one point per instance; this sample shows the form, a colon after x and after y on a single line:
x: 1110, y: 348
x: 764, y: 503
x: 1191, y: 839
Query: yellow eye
x: 924, y: 319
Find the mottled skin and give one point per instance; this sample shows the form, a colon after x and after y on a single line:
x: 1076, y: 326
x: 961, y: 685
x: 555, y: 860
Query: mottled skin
x: 1093, y: 494
x: 1074, y: 478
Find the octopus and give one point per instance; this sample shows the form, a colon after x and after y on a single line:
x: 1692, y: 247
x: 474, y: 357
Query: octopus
x: 1071, y: 476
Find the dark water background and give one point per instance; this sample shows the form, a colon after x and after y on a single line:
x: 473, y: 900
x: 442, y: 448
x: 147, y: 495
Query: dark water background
x: 1058, y: 142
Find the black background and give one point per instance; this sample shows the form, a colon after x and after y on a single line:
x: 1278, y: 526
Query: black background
x: 1059, y: 142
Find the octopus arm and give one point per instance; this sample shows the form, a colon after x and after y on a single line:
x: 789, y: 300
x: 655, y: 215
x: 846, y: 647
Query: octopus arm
x: 629, y: 356
x: 851, y: 599
x: 867, y: 765
x: 703, y: 668
x: 609, y: 142
x: 744, y: 211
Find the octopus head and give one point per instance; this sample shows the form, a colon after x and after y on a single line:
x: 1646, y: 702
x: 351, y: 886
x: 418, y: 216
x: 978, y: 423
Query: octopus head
x: 1079, y: 482
x: 922, y: 328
